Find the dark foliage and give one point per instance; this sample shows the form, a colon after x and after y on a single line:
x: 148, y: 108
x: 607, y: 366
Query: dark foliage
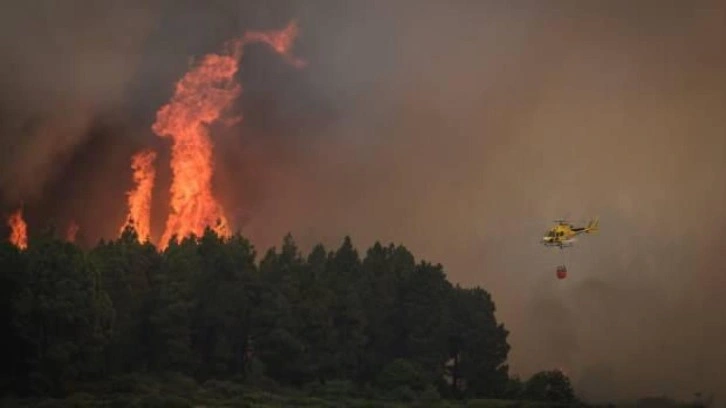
x: 552, y: 386
x: 206, y: 308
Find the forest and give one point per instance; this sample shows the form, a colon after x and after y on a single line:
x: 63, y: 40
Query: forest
x: 210, y: 318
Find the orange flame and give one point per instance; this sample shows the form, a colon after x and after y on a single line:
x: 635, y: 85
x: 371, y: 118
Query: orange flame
x: 72, y: 231
x: 18, y: 229
x: 139, y: 199
x: 280, y: 41
x: 200, y: 98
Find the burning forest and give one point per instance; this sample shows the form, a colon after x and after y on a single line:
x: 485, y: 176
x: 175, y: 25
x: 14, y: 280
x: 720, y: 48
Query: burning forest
x: 201, y: 98
x: 422, y: 123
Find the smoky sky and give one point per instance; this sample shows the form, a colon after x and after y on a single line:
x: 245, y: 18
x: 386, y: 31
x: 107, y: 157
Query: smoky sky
x: 459, y: 129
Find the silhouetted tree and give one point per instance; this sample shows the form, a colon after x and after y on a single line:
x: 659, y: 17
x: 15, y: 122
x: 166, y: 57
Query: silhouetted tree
x: 550, y: 386
x: 63, y: 315
x: 125, y: 267
x: 477, y: 344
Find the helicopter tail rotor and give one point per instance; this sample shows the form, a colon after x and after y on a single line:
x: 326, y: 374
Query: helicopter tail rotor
x: 593, y: 226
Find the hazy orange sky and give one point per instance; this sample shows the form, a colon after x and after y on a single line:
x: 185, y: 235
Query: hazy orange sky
x: 459, y: 129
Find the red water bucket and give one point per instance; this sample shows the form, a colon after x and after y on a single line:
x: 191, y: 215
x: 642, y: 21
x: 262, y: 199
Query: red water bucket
x: 561, y: 272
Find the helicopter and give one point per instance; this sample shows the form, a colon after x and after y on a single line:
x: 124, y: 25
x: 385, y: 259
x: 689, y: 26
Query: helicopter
x: 563, y: 234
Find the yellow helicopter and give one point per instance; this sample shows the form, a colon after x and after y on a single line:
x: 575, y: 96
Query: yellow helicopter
x: 563, y: 233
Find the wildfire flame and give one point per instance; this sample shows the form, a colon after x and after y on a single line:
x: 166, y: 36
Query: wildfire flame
x: 199, y: 99
x: 139, y: 199
x: 72, y: 231
x: 18, y: 229
x: 280, y: 41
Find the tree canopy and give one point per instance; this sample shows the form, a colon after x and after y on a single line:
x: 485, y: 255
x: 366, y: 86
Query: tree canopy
x: 207, y: 307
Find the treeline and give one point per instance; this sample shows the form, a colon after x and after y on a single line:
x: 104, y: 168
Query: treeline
x: 208, y: 308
